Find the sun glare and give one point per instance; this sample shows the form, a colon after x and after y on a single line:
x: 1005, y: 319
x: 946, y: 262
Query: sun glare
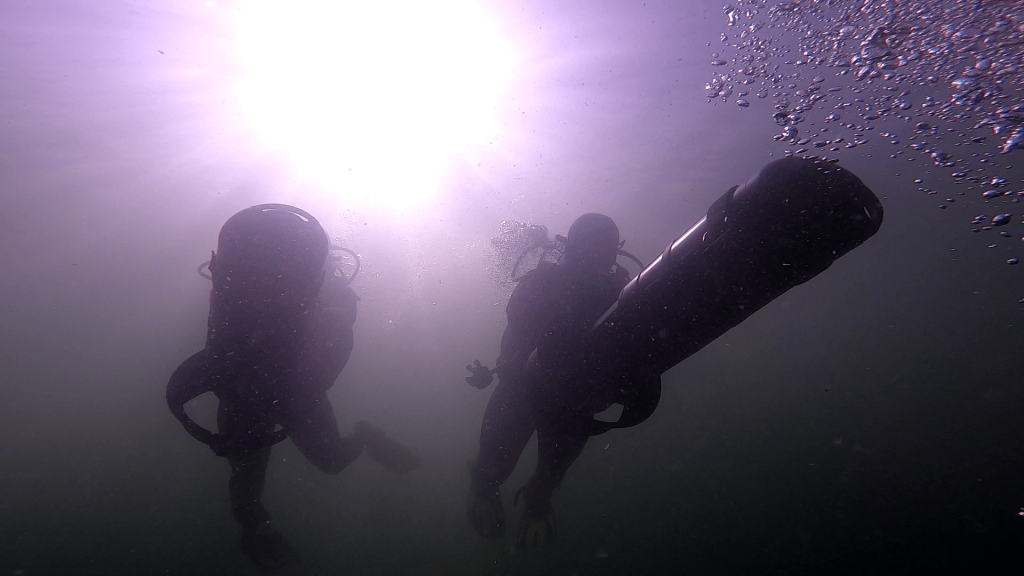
x: 372, y: 99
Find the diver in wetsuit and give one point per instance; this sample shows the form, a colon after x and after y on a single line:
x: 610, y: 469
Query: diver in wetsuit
x: 558, y: 303
x: 575, y: 344
x: 279, y: 334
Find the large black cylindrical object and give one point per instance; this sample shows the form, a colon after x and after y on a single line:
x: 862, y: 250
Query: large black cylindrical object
x: 785, y: 225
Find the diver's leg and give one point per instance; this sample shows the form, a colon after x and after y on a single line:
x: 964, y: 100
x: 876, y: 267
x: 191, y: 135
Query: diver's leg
x: 264, y: 546
x: 557, y: 449
x: 248, y: 475
x: 245, y: 426
x: 508, y: 423
x: 311, y: 424
x: 249, y: 454
x: 313, y: 428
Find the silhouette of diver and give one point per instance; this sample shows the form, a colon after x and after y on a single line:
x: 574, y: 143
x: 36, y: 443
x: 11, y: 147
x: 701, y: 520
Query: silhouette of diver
x: 581, y: 336
x: 279, y: 334
x: 566, y: 297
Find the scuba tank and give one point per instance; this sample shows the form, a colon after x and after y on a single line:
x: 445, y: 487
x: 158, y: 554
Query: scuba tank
x: 276, y: 304
x: 269, y: 266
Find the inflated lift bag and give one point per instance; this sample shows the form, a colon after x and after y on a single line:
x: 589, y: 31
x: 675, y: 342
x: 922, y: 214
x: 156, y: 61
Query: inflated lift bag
x: 785, y: 225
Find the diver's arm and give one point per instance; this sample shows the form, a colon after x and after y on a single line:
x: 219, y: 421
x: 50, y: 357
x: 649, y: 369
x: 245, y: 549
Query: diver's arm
x: 187, y: 382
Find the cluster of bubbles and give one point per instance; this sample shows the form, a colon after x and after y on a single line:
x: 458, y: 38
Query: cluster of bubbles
x: 516, y: 249
x: 942, y: 79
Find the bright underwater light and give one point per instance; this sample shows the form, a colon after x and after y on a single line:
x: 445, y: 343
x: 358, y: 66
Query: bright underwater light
x: 372, y: 99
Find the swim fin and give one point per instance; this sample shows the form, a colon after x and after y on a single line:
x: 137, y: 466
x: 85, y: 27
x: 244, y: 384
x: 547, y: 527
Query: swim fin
x: 385, y: 450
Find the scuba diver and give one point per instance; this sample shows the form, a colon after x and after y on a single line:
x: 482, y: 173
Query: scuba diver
x: 582, y: 336
x: 279, y: 333
x: 572, y: 294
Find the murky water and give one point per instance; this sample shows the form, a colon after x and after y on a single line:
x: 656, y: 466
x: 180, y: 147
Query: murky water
x: 866, y: 422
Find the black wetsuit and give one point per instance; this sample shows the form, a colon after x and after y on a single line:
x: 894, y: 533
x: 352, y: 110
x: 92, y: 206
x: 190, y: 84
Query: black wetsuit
x: 269, y: 374
x: 548, y: 304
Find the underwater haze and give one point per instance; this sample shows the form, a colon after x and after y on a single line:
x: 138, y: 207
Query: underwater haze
x: 865, y: 422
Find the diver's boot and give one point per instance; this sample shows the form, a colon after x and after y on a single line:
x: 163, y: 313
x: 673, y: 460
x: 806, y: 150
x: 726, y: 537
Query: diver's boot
x: 537, y: 527
x: 267, y: 549
x: 384, y: 450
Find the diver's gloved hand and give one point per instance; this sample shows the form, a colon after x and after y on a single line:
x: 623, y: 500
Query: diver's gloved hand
x: 485, y: 512
x: 482, y: 375
x: 268, y: 550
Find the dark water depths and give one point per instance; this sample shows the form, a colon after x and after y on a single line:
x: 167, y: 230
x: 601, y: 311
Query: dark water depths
x: 867, y: 422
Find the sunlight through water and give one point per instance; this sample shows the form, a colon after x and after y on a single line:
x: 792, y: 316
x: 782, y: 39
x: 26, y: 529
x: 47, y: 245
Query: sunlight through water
x: 372, y: 100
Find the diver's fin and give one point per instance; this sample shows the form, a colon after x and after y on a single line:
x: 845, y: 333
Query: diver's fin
x: 385, y: 450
